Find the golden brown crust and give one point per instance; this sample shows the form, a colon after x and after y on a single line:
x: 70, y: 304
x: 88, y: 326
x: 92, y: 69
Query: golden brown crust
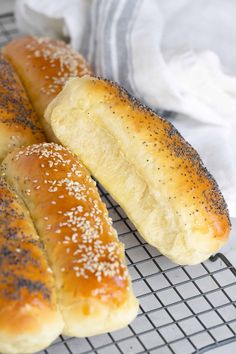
x: 86, y: 257
x: 18, y: 122
x: 44, y: 65
x: 27, y: 289
x: 161, y: 140
x: 161, y: 182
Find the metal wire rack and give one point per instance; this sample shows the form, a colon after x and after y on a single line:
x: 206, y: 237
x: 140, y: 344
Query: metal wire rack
x: 183, y: 310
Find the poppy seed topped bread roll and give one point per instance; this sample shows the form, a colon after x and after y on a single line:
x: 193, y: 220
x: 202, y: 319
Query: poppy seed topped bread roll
x: 146, y: 165
x: 44, y: 65
x: 18, y: 122
x: 29, y: 315
x: 94, y: 291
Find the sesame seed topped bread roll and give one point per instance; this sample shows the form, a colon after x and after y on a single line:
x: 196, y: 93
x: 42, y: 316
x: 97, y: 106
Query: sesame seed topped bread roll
x: 44, y: 65
x: 18, y: 122
x: 93, y: 287
x: 146, y: 165
x: 29, y: 316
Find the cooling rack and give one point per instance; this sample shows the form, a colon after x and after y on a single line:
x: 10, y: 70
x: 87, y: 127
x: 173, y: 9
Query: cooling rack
x: 183, y: 310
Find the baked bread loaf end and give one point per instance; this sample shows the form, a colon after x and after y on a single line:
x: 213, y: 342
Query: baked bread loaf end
x: 44, y: 65
x: 146, y: 165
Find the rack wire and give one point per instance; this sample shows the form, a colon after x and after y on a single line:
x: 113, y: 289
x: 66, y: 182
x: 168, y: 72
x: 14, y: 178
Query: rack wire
x: 183, y: 310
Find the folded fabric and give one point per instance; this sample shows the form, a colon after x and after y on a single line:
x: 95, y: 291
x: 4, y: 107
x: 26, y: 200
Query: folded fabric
x: 179, y: 57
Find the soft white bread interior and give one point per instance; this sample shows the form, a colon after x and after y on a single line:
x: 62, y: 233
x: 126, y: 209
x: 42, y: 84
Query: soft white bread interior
x: 94, y: 291
x: 29, y: 315
x: 146, y: 165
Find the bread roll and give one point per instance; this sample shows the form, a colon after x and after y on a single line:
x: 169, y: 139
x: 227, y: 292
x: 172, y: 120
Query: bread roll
x: 44, y: 65
x: 93, y: 286
x: 29, y: 317
x: 18, y: 123
x: 146, y: 165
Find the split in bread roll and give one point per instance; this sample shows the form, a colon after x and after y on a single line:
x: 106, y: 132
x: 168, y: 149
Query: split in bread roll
x: 146, y: 165
x: 18, y: 122
x: 93, y: 287
x: 29, y: 316
x: 44, y: 65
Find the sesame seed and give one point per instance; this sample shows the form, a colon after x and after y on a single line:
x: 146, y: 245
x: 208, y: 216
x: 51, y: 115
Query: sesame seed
x: 81, y: 227
x: 68, y: 62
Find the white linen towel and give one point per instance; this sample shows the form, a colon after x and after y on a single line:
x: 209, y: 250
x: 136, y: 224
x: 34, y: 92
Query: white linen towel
x: 179, y: 57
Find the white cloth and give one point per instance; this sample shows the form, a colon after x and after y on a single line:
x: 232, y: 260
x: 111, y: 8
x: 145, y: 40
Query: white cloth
x: 177, y: 56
